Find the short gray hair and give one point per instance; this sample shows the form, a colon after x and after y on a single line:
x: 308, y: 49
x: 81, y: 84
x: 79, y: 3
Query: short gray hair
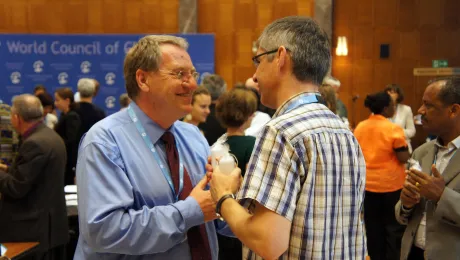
x: 306, y: 41
x: 86, y: 87
x: 28, y: 107
x: 146, y: 55
x: 331, y: 81
x: 215, y: 84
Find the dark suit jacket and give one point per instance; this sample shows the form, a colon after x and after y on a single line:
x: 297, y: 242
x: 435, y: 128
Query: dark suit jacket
x: 32, y: 203
x: 68, y: 127
x: 443, y: 218
x: 89, y: 114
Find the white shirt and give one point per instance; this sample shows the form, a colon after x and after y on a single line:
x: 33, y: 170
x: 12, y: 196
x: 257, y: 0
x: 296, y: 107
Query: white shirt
x: 404, y: 118
x: 76, y: 97
x: 259, y: 121
x: 443, y: 156
x: 51, y: 120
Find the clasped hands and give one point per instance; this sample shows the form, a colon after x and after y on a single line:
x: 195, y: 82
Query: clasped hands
x: 419, y: 184
x: 221, y: 184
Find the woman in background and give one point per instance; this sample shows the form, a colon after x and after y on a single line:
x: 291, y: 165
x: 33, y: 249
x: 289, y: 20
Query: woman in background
x: 201, y: 101
x: 260, y: 118
x: 67, y: 127
x: 403, y: 114
x: 385, y: 150
x: 235, y: 110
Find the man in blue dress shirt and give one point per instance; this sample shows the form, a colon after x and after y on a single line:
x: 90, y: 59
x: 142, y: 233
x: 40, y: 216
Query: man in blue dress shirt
x: 132, y: 204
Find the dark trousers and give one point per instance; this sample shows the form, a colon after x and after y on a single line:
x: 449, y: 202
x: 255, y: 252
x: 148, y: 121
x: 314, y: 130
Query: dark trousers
x: 384, y: 233
x: 229, y: 248
x: 416, y: 254
x: 56, y: 253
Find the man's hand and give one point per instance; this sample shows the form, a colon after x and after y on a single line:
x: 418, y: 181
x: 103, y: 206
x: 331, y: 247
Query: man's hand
x: 204, y: 199
x: 409, y: 194
x: 222, y: 184
x: 209, y: 169
x: 431, y: 187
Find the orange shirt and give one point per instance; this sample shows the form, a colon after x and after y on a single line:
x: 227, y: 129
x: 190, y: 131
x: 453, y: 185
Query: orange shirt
x: 378, y: 138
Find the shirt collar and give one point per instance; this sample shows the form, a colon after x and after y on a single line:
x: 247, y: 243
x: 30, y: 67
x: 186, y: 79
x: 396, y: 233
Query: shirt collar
x: 380, y: 117
x: 152, y: 129
x: 31, y: 129
x: 453, y: 144
x: 283, y: 109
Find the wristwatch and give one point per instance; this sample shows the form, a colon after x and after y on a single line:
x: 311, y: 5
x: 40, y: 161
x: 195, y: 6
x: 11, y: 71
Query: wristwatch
x: 219, y: 204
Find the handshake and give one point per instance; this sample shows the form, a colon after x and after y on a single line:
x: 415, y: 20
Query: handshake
x: 223, y: 176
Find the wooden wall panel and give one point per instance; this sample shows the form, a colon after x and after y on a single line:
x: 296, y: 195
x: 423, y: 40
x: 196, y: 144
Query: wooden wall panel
x: 89, y: 16
x: 237, y: 24
x: 418, y: 32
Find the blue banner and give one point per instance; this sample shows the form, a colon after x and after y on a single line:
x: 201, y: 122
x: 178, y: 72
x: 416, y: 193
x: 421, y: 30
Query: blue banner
x: 58, y: 61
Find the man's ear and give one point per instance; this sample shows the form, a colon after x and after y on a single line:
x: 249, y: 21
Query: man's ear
x: 282, y: 54
x: 141, y: 79
x: 455, y: 110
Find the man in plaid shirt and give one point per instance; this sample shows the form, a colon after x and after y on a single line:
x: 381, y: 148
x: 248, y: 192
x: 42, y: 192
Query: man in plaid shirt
x: 303, y: 191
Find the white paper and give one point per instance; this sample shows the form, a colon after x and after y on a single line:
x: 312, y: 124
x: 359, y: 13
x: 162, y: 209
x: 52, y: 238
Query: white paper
x: 71, y: 197
x: 70, y: 189
x: 72, y: 203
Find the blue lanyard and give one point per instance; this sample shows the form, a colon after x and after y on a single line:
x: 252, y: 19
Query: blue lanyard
x: 303, y: 101
x: 151, y: 147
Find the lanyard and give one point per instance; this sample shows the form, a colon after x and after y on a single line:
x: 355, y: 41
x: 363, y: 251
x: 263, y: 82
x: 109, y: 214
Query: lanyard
x: 302, y: 101
x: 151, y: 147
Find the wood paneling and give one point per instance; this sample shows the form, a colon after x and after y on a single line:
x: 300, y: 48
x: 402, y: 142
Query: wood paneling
x: 418, y: 32
x: 237, y: 24
x: 89, y: 16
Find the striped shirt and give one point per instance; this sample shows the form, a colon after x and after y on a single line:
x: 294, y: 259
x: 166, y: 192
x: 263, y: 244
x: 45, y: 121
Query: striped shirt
x: 308, y: 167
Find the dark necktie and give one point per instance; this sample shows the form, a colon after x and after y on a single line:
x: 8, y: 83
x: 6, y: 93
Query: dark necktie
x: 196, y: 236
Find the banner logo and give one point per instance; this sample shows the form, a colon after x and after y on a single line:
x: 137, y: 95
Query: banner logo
x: 85, y: 67
x: 110, y: 102
x: 110, y: 78
x: 38, y: 66
x: 63, y: 78
x: 15, y: 77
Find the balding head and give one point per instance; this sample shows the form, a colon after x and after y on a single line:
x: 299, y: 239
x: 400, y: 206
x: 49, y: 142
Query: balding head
x: 28, y: 107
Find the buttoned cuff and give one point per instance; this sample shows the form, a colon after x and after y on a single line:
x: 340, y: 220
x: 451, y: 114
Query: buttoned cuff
x: 406, y: 210
x: 191, y: 212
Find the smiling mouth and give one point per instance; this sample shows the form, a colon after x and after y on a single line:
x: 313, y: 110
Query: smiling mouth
x: 184, y: 95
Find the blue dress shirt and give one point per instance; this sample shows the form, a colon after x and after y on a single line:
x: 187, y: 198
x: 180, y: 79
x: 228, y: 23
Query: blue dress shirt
x: 126, y: 207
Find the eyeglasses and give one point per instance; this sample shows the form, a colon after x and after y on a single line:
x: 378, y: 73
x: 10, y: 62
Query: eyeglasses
x: 184, y: 76
x: 256, y: 60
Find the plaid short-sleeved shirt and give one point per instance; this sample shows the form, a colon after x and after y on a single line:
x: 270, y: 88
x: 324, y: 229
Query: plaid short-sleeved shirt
x: 308, y: 167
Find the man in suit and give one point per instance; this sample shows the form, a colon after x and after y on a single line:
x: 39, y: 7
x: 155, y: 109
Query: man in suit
x: 32, y: 201
x: 429, y: 203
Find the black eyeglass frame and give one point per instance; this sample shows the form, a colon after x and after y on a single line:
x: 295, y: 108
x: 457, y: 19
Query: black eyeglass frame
x: 256, y: 60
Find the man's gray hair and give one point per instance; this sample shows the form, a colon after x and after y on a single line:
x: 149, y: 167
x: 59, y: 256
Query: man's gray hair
x: 215, y: 84
x: 307, y: 43
x: 331, y: 81
x: 28, y: 107
x: 86, y: 87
